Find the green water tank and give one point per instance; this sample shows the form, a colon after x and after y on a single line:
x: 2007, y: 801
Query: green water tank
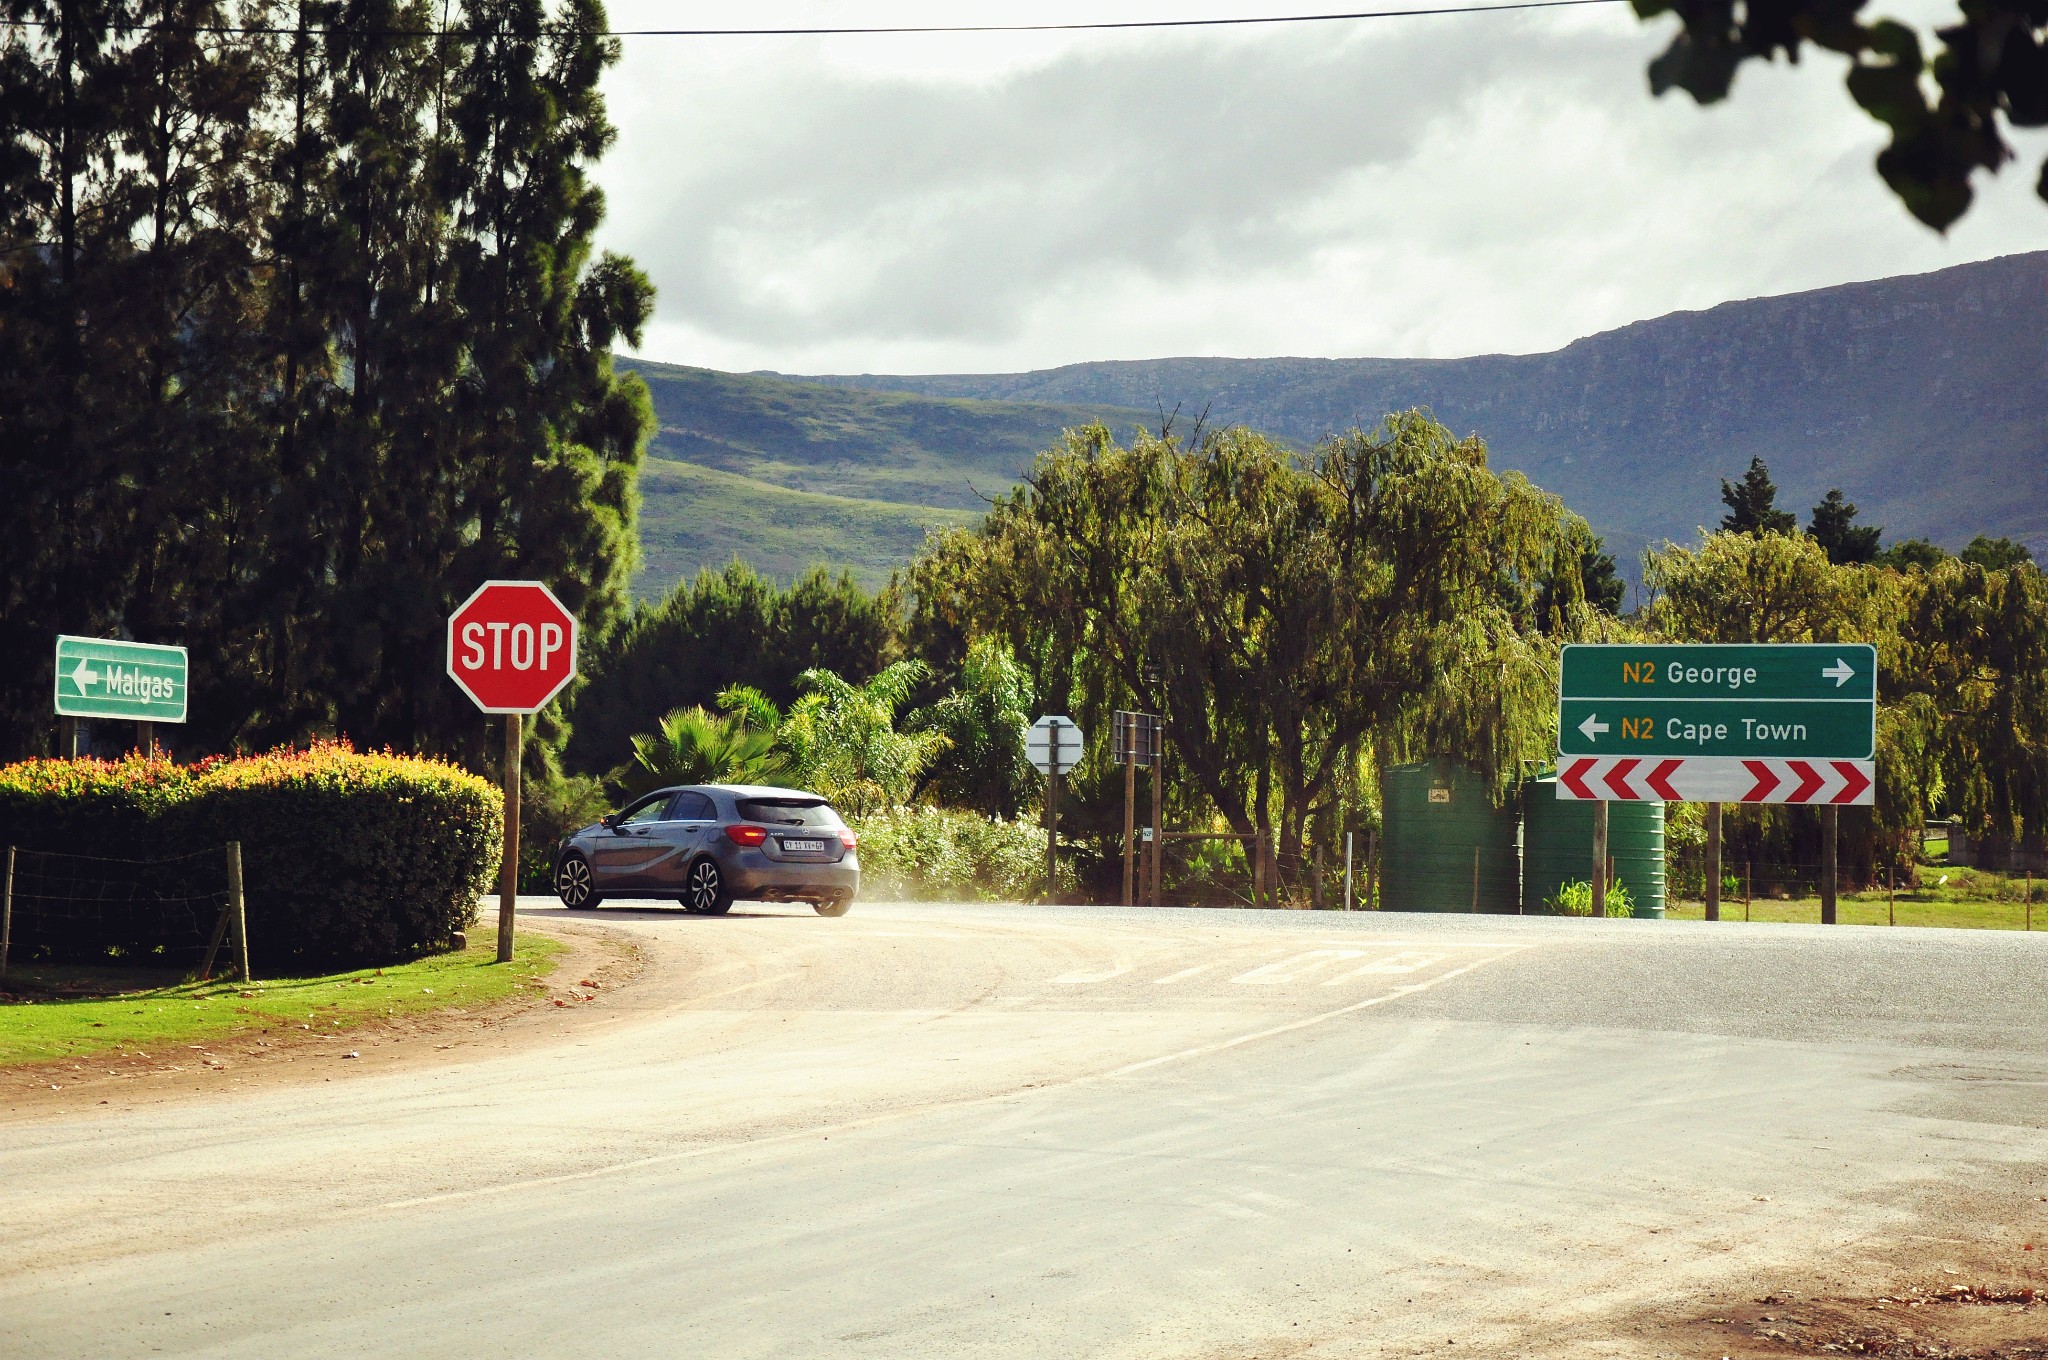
x: 1444, y: 845
x: 1557, y: 846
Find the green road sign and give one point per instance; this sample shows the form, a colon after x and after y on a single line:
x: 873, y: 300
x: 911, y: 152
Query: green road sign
x: 97, y: 678
x: 1811, y: 700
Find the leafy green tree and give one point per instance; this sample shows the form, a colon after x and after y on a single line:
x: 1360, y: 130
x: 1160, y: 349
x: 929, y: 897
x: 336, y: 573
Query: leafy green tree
x: 1753, y: 504
x: 128, y: 235
x: 302, y: 336
x: 1598, y: 583
x: 1978, y: 651
x: 725, y: 628
x: 1290, y: 606
x: 1947, y: 110
x: 695, y: 746
x: 840, y: 740
x: 1834, y: 527
x: 1912, y: 554
x: 1750, y: 587
x: 983, y: 767
x: 1996, y: 554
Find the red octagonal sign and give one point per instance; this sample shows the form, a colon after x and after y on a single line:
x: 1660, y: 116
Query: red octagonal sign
x: 512, y: 646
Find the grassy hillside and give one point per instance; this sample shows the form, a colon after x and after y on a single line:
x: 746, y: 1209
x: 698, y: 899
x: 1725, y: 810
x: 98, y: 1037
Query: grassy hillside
x: 788, y: 475
x: 885, y: 446
x: 1925, y: 398
x: 692, y: 517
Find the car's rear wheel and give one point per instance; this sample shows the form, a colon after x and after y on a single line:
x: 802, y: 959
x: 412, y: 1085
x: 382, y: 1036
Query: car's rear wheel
x: 837, y: 905
x: 574, y: 883
x: 707, y: 894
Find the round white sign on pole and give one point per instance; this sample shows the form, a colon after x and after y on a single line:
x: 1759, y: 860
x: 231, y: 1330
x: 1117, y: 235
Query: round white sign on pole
x: 1054, y: 744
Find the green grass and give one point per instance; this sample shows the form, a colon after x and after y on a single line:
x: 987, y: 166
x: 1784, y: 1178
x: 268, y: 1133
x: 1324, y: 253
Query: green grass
x: 1869, y: 909
x: 693, y: 517
x: 56, y: 1013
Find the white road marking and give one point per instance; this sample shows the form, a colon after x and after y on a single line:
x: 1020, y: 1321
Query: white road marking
x: 1183, y: 974
x: 1287, y: 970
x: 1409, y: 961
x: 1380, y: 1000
x: 1078, y: 978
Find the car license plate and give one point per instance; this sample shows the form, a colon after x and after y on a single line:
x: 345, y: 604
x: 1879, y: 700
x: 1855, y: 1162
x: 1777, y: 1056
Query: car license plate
x: 803, y: 845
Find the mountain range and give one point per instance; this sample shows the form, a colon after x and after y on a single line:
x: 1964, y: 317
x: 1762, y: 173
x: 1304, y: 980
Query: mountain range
x: 1925, y: 398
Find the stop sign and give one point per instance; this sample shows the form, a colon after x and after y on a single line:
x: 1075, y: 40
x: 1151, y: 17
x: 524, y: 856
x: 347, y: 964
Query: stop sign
x: 512, y: 646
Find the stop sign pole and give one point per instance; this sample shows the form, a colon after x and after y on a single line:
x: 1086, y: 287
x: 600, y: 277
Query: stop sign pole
x: 511, y: 647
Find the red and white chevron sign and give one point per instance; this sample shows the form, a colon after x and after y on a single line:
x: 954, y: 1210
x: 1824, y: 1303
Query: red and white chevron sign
x: 1718, y: 779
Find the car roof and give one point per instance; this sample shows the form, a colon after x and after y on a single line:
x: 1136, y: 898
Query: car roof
x: 744, y: 791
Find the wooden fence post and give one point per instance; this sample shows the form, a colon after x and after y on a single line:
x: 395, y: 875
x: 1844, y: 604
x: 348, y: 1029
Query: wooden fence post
x: 7, y: 912
x: 237, y: 921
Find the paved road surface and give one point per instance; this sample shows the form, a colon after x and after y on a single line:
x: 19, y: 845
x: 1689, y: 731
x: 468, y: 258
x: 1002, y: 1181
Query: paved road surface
x: 1006, y: 1131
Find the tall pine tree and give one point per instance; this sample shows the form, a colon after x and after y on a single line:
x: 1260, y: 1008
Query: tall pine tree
x: 1753, y: 504
x: 301, y: 338
x: 1834, y: 527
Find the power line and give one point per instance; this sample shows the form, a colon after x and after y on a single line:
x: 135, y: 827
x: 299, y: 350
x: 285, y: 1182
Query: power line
x: 232, y: 30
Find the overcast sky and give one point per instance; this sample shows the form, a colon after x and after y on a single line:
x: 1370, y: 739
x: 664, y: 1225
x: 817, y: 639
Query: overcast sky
x: 1434, y: 186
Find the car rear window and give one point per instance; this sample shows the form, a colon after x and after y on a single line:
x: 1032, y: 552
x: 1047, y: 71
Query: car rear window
x: 788, y: 811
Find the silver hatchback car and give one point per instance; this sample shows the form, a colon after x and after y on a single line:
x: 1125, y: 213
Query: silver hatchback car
x: 709, y: 844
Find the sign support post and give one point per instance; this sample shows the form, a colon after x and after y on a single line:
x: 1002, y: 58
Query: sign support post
x: 1711, y: 896
x: 1830, y: 817
x: 1158, y: 814
x: 508, y: 871
x: 1599, y: 879
x: 1130, y: 746
x: 1052, y: 821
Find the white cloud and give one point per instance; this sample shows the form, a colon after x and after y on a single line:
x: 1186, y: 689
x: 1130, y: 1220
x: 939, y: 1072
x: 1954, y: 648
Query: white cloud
x: 1436, y: 186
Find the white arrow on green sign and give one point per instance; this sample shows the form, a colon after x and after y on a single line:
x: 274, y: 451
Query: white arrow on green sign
x: 102, y: 678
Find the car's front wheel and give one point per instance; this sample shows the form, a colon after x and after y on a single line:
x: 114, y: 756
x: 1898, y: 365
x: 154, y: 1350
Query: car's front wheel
x: 574, y: 884
x: 707, y: 894
x: 834, y: 906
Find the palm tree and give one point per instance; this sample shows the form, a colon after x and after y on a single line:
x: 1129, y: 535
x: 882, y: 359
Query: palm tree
x: 693, y: 746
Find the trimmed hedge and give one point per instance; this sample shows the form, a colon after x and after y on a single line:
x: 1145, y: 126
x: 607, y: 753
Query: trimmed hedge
x: 348, y: 859
x: 936, y: 854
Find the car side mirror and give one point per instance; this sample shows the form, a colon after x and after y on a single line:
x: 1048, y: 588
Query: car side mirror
x: 610, y: 821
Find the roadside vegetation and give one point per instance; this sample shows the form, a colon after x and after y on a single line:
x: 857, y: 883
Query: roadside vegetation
x: 58, y: 1011
x: 1303, y: 621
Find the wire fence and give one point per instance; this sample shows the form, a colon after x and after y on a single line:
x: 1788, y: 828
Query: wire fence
x: 69, y: 908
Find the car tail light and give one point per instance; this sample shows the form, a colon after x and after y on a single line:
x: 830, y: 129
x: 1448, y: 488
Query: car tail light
x: 746, y: 835
x: 848, y: 839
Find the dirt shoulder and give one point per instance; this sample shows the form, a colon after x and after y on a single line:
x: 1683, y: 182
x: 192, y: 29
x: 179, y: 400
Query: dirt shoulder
x: 1970, y: 1282
x: 597, y: 967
